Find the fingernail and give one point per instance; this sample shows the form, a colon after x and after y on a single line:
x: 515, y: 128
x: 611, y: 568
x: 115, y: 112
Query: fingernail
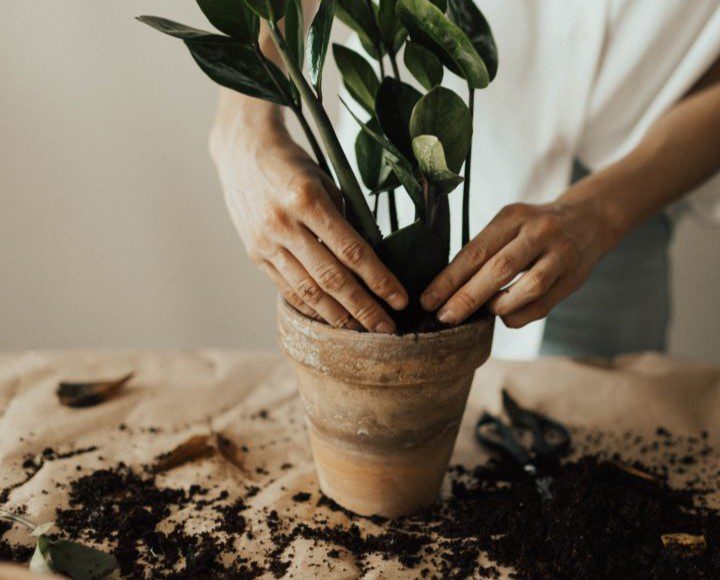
x: 384, y: 328
x: 397, y: 301
x: 429, y: 300
x: 446, y: 316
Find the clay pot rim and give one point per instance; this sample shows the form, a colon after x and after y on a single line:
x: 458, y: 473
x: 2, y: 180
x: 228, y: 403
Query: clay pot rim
x: 482, y: 319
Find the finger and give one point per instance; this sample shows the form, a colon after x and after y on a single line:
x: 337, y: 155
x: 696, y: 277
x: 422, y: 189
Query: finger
x: 541, y: 307
x: 306, y: 288
x: 468, y: 261
x: 496, y: 273
x: 356, y: 254
x: 532, y: 285
x: 334, y: 279
x: 287, y: 292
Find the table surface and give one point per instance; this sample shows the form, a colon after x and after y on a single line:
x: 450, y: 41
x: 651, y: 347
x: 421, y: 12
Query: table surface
x: 251, y: 399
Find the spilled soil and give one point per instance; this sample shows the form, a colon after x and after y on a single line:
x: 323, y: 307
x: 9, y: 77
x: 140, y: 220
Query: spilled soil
x: 606, y: 519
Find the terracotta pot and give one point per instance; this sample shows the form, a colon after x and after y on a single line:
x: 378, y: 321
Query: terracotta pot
x: 382, y: 411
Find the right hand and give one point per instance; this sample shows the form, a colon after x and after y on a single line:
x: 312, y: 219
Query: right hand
x: 285, y: 209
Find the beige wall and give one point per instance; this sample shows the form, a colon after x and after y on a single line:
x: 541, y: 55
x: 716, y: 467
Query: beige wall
x: 113, y: 230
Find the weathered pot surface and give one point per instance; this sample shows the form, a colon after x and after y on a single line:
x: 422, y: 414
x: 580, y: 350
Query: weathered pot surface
x: 382, y: 411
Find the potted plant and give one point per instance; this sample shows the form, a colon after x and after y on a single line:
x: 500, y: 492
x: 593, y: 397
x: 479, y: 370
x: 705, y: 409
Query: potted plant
x: 383, y: 410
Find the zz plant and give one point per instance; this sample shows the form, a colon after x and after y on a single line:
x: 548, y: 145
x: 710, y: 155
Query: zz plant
x: 411, y: 140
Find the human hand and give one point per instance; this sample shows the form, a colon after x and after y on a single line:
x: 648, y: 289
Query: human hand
x: 556, y: 245
x: 282, y: 205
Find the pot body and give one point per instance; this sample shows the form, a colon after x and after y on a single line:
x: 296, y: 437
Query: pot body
x: 382, y: 411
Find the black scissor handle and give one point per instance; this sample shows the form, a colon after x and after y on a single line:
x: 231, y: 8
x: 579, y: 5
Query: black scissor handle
x: 493, y: 434
x: 541, y: 427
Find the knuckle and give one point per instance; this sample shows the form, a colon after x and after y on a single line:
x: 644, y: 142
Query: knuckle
x: 367, y: 313
x: 309, y: 291
x: 504, y: 268
x: 466, y: 301
x: 292, y: 299
x: 344, y: 321
x: 382, y: 286
x: 353, y: 252
x: 274, y: 217
x: 569, y: 251
x: 302, y: 196
x: 331, y: 278
x: 514, y: 210
x: 475, y: 253
x: 536, y: 284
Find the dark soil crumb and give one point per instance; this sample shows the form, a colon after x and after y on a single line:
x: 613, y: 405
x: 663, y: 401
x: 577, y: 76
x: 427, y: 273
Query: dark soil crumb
x: 605, y: 520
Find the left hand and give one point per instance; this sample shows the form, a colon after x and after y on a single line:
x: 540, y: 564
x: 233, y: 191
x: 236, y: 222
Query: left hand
x: 556, y: 245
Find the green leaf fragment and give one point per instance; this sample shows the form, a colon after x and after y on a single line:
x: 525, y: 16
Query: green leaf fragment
x: 442, y: 113
x: 370, y: 156
x: 473, y: 23
x: 356, y: 15
x: 267, y: 9
x: 392, y: 31
x: 394, y: 105
x: 358, y: 76
x: 295, y: 31
x: 182, y: 31
x: 72, y: 559
x: 233, y: 17
x: 423, y: 64
x: 431, y: 159
x: 429, y: 26
x: 318, y: 41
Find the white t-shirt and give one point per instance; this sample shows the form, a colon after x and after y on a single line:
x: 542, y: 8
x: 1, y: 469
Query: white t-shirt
x: 577, y: 78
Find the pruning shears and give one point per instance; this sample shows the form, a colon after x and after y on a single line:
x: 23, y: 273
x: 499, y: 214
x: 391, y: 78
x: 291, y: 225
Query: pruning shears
x: 550, y: 440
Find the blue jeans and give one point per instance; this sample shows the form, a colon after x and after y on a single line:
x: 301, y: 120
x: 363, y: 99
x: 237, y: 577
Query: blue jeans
x: 624, y: 306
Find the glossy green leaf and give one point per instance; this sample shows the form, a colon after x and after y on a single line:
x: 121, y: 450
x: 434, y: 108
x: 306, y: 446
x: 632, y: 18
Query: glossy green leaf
x: 267, y: 9
x: 431, y: 159
x: 393, y: 151
x: 429, y: 26
x: 415, y: 255
x: 444, y: 114
x: 391, y: 29
x: 356, y: 15
x: 233, y: 17
x: 71, y: 559
x: 241, y: 68
x: 295, y: 31
x: 182, y: 31
x: 370, y: 156
x: 393, y: 106
x: 472, y: 22
x: 423, y: 64
x: 318, y: 41
x: 358, y: 76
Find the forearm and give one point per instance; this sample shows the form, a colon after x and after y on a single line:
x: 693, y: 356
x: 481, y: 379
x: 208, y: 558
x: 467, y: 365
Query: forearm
x: 680, y: 151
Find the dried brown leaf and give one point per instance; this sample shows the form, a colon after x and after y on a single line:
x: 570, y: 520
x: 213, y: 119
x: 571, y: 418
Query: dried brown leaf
x: 88, y: 394
x: 685, y: 545
x: 230, y: 452
x: 197, y: 447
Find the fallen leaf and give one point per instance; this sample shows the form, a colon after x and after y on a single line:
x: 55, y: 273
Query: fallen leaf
x: 684, y: 545
x: 229, y: 451
x: 197, y: 447
x: 89, y: 394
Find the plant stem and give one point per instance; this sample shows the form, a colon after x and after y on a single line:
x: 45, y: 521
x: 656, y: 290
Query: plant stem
x: 396, y: 70
x: 317, y: 150
x: 466, y: 185
x: 346, y: 178
x: 6, y: 515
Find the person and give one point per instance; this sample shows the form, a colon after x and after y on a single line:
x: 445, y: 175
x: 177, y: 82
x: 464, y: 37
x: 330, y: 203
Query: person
x: 603, y: 115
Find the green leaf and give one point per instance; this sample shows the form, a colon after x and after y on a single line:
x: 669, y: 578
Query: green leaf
x: 472, y: 22
x: 77, y: 561
x: 295, y: 31
x: 431, y: 159
x: 182, y: 31
x: 358, y: 76
x: 430, y: 27
x: 415, y: 255
x: 393, y: 106
x: 423, y: 64
x: 443, y: 113
x: 267, y: 9
x: 393, y: 151
x: 356, y: 15
x: 370, y: 156
x: 233, y: 17
x: 391, y: 29
x: 318, y: 41
x: 241, y: 68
